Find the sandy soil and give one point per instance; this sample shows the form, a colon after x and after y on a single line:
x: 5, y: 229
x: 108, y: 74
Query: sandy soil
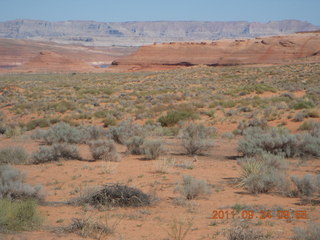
x: 67, y: 179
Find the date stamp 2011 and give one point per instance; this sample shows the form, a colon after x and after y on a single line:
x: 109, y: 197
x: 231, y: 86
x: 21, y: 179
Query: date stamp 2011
x: 263, y: 214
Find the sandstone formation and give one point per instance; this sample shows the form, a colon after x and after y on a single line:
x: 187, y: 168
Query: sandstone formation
x: 266, y: 50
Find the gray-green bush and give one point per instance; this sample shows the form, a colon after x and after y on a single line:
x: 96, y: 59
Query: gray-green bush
x: 191, y: 187
x: 124, y: 131
x: 197, y: 138
x: 104, y: 150
x: 90, y: 132
x: 279, y: 141
x: 61, y: 133
x: 310, y: 232
x: 13, y: 155
x: 153, y: 148
x: 263, y: 174
x: 134, y: 145
x: 12, y: 185
x: 308, y: 185
x: 56, y: 152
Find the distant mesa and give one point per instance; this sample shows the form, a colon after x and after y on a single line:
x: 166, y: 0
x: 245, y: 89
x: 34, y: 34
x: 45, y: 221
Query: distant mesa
x: 90, y: 33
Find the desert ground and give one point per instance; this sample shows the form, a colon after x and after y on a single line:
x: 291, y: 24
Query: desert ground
x: 230, y: 127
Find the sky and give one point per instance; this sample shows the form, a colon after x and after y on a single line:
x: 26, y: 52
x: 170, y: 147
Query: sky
x: 172, y: 10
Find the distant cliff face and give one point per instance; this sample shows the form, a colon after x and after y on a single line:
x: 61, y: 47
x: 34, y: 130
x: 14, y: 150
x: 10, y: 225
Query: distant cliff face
x: 140, y: 33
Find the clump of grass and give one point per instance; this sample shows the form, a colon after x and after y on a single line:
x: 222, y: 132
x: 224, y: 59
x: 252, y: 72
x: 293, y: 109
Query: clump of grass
x: 197, y: 138
x: 12, y: 185
x: 311, y: 126
x: 115, y: 195
x: 178, y: 230
x: 163, y: 164
x: 191, y: 187
x: 153, y: 148
x: 242, y: 231
x: 173, y: 117
x: 56, y: 152
x: 311, y: 232
x: 89, y: 227
x: 109, y: 121
x: 13, y: 155
x: 41, y: 122
x: 104, y: 150
x: 19, y: 216
x: 303, y: 104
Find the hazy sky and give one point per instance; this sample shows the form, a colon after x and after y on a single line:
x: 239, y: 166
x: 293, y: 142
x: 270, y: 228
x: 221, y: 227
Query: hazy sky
x: 149, y: 10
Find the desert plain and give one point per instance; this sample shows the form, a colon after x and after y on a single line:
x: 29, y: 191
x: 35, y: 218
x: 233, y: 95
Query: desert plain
x: 222, y: 137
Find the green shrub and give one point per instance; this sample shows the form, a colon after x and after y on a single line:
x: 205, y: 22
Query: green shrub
x: 13, y: 155
x: 191, y: 187
x: 19, y: 215
x: 42, y: 122
x: 63, y: 106
x: 197, y: 138
x: 104, y: 150
x: 302, y: 104
x: 109, y: 121
x: 153, y: 148
x: 55, y: 152
x: 174, y: 117
x: 12, y: 185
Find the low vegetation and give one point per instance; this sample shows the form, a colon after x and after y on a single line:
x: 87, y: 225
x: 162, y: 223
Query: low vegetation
x: 13, y: 155
x: 19, y: 216
x: 115, y: 195
x: 12, y: 185
x: 55, y: 152
x: 191, y: 187
x: 89, y: 227
x: 196, y: 139
x: 263, y: 173
x: 310, y: 232
x: 279, y: 141
x: 242, y: 231
x: 104, y: 150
